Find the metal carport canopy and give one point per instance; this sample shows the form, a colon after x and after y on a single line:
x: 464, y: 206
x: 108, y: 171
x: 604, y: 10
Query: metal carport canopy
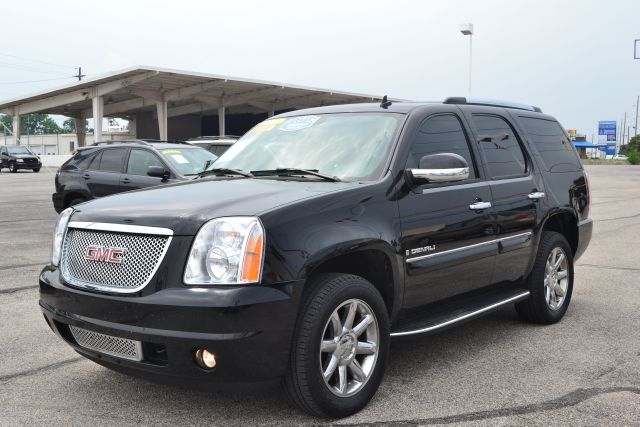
x: 170, y: 93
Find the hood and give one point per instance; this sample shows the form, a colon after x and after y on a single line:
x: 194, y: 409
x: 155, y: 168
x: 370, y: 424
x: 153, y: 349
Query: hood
x: 24, y: 156
x: 184, y: 207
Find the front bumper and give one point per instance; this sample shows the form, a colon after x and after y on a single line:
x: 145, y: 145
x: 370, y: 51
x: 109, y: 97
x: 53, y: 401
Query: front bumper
x: 248, y: 328
x: 585, y: 229
x: 30, y: 166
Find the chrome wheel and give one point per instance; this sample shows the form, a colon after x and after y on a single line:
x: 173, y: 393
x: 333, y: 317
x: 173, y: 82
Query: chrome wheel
x: 349, y: 348
x: 556, y: 278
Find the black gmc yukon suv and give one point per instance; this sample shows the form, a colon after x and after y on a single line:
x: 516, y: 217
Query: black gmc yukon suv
x: 317, y: 238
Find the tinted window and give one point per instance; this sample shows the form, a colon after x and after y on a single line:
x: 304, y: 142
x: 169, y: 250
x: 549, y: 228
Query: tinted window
x: 500, y: 146
x: 441, y: 134
x: 557, y: 151
x: 111, y: 160
x: 140, y: 160
x: 83, y: 160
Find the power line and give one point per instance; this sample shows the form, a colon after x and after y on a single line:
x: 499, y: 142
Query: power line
x: 36, y: 81
x: 36, y: 60
x: 28, y: 68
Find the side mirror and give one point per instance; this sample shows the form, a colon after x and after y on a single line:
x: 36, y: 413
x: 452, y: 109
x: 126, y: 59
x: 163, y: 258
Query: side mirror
x: 442, y: 167
x: 158, y: 172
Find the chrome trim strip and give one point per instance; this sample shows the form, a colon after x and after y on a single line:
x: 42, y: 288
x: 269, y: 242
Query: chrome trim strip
x: 120, y: 228
x: 464, y: 248
x: 460, y: 318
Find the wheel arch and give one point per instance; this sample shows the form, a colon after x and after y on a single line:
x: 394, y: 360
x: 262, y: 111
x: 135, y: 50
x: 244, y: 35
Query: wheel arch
x: 374, y: 261
x: 564, y: 222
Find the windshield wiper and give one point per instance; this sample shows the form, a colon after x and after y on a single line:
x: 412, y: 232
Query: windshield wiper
x: 225, y: 171
x: 295, y: 171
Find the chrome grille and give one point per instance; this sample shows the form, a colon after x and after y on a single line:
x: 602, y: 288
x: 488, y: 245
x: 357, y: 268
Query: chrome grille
x: 107, y: 344
x: 140, y: 260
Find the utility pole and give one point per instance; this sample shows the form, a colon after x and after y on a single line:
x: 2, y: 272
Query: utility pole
x: 467, y: 30
x: 636, y: 128
x: 624, y: 127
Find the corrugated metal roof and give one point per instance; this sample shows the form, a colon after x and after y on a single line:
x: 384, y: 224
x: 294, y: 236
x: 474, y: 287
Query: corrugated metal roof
x: 187, y: 93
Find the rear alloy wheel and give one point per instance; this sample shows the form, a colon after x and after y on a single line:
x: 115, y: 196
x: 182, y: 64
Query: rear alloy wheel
x: 339, y: 348
x: 550, y: 281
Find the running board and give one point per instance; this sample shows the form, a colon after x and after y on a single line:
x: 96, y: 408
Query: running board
x: 461, y: 317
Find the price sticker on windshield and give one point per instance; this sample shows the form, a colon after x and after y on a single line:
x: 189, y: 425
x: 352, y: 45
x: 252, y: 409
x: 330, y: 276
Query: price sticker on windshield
x: 298, y: 123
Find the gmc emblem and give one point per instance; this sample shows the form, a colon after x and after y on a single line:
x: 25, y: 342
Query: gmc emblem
x: 100, y: 253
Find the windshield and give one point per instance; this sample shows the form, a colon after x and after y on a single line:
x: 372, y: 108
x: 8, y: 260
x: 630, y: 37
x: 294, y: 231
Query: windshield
x: 350, y: 146
x: 18, y: 150
x: 190, y: 160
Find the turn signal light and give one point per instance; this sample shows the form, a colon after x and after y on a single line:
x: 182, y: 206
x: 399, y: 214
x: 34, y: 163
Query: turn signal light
x: 252, y: 256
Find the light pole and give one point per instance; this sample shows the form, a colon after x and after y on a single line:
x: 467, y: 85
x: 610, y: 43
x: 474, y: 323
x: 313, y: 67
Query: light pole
x: 467, y: 30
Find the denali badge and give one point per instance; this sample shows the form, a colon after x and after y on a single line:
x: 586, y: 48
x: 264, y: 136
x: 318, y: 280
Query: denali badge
x: 100, y: 253
x: 415, y: 251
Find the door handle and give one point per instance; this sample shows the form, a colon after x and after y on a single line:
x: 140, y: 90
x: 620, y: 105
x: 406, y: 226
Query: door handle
x: 536, y: 195
x: 480, y: 206
x: 86, y: 176
x: 125, y: 180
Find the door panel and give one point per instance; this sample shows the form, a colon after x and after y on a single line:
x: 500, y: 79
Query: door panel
x: 135, y: 176
x: 449, y: 247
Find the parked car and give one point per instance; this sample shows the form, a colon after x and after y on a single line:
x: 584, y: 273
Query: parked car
x: 317, y: 238
x: 619, y: 157
x: 116, y: 166
x: 216, y: 144
x: 16, y: 157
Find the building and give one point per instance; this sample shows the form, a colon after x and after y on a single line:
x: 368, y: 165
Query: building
x: 162, y: 103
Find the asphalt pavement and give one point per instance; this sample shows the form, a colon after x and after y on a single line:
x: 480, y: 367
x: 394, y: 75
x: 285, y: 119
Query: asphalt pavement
x: 497, y: 370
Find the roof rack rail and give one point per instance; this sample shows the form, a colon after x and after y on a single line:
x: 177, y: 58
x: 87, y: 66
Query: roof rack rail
x: 491, y: 103
x: 213, y: 137
x: 123, y: 141
x: 163, y: 141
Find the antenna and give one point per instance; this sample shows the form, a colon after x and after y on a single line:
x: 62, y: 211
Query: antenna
x: 385, y: 103
x: 79, y: 75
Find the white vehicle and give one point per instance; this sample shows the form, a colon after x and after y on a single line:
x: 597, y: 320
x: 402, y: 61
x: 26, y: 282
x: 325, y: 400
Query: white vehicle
x: 619, y: 157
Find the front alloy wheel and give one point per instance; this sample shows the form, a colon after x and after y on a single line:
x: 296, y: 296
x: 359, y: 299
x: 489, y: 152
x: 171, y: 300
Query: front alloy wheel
x: 349, y: 347
x: 339, y: 347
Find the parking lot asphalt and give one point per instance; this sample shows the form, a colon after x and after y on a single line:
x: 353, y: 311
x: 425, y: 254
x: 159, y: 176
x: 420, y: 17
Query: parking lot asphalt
x: 497, y: 370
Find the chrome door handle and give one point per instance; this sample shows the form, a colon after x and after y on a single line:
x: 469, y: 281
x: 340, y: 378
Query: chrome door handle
x: 536, y: 195
x: 479, y: 206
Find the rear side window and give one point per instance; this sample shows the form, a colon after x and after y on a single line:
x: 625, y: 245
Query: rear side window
x: 112, y: 159
x: 502, y: 151
x: 556, y: 150
x: 441, y: 134
x: 83, y: 161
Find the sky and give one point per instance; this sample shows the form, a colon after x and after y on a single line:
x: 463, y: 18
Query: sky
x: 574, y: 59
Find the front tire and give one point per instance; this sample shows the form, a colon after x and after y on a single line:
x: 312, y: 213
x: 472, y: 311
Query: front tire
x: 550, y: 281
x: 339, y: 347
x: 13, y: 167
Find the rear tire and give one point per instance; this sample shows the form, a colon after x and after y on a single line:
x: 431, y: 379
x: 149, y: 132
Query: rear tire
x: 550, y: 281
x: 352, y: 359
x: 36, y: 170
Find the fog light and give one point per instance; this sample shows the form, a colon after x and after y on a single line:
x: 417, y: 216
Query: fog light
x: 205, y: 358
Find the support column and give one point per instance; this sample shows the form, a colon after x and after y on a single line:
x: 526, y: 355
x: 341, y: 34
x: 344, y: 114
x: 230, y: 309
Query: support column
x: 81, y: 130
x: 161, y: 107
x: 98, y: 110
x: 221, y: 120
x: 16, y: 129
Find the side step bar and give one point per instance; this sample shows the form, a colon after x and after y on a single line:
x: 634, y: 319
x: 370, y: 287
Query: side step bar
x: 466, y: 316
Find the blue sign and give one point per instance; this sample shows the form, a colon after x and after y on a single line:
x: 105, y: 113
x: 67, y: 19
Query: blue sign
x: 602, y: 147
x: 606, y: 131
x: 611, y: 149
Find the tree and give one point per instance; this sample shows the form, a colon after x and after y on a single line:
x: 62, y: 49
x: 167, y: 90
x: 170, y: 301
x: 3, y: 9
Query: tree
x: 34, y: 124
x: 69, y: 126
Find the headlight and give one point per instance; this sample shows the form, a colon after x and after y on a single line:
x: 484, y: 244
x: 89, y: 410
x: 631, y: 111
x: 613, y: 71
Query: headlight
x: 19, y: 161
x: 58, y: 235
x: 226, y: 251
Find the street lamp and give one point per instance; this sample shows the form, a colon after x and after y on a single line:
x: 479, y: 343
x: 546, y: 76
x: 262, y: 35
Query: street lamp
x: 467, y: 30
